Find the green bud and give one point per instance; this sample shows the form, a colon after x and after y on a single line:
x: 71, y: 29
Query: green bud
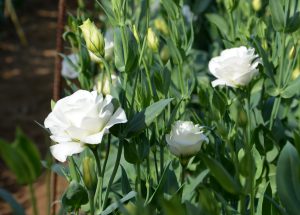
x: 257, y: 5
x: 152, y: 40
x: 89, y: 174
x: 265, y: 45
x: 94, y: 39
x: 161, y: 25
x: 292, y: 53
x: 165, y: 54
x: 296, y: 73
x: 136, y: 34
x: 231, y: 4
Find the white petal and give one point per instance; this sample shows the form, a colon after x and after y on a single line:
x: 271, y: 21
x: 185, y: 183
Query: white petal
x: 62, y: 150
x: 60, y: 138
x: 222, y: 82
x: 95, y: 138
x: 118, y: 117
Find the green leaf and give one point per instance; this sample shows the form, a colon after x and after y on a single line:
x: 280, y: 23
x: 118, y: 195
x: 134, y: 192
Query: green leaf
x: 171, y: 8
x: 160, y: 187
x: 220, y: 22
x: 144, y: 118
x: 292, y: 89
x: 293, y: 23
x: 287, y: 179
x: 15, y: 206
x: 130, y: 152
x: 221, y: 175
x: 22, y: 157
x: 125, y: 182
x: 118, y: 51
x: 277, y: 14
x: 115, y: 205
x: 74, y: 197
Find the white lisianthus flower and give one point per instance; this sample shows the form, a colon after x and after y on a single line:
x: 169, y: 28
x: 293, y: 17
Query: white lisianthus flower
x: 235, y: 67
x: 79, y: 119
x: 185, y: 139
x: 69, y: 65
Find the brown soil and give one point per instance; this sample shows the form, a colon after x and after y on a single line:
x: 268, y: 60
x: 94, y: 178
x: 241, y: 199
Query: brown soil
x: 26, y: 78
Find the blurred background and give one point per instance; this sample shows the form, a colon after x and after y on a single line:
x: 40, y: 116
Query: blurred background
x: 26, y: 80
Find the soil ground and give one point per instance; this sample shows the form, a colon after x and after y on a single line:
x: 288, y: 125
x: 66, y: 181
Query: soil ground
x: 26, y: 79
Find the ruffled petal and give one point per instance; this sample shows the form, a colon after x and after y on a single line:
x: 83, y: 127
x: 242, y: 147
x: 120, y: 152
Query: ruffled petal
x: 222, y: 82
x: 62, y: 150
x: 118, y: 117
x: 95, y: 138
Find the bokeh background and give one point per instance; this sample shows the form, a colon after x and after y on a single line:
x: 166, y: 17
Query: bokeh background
x: 26, y: 81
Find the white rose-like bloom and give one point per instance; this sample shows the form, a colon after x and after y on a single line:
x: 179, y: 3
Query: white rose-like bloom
x: 235, y: 67
x: 69, y: 66
x: 79, y: 119
x: 185, y: 139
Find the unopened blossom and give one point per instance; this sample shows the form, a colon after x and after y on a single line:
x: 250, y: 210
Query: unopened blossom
x: 185, y: 139
x: 80, y: 119
x: 152, y: 40
x: 94, y: 39
x: 235, y: 67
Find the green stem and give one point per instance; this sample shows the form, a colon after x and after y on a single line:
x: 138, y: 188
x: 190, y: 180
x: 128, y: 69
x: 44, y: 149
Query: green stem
x: 114, y: 172
x: 33, y: 199
x: 91, y: 200
x: 242, y: 204
x: 139, y: 184
x: 156, y: 167
x: 274, y: 111
x: 181, y: 79
x: 148, y: 78
x: 183, y: 168
x: 72, y: 168
x: 98, y: 194
x: 232, y: 25
x: 249, y: 140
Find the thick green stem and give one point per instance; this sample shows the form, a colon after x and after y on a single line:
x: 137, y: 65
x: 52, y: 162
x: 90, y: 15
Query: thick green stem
x: 114, y: 172
x: 91, y: 200
x: 33, y: 199
x: 139, y: 184
x: 98, y: 194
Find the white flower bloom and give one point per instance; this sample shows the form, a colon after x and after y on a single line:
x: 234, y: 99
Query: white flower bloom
x: 235, y: 67
x: 185, y: 139
x: 69, y: 66
x: 79, y: 119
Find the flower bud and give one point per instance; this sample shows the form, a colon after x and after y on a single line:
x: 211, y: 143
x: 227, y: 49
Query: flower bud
x: 257, y: 5
x: 165, y: 54
x: 231, y: 4
x: 264, y: 44
x: 161, y: 25
x: 185, y: 139
x: 292, y: 53
x: 89, y: 174
x: 296, y: 73
x: 94, y: 39
x: 136, y: 34
x: 152, y: 40
x: 104, y: 87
